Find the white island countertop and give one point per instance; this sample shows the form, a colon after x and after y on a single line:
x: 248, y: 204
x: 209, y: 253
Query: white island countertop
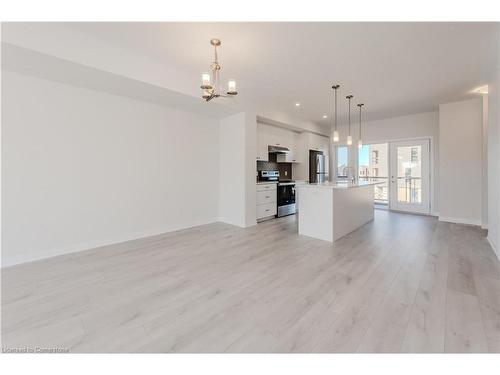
x: 340, y: 185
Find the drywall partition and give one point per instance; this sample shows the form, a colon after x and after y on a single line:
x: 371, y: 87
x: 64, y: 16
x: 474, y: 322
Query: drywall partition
x: 82, y: 168
x: 237, y: 142
x: 484, y: 165
x: 494, y: 153
x: 460, y: 161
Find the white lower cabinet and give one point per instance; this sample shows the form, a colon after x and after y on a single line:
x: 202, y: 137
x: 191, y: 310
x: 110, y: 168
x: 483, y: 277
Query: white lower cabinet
x: 266, y: 210
x: 266, y: 197
x: 266, y: 201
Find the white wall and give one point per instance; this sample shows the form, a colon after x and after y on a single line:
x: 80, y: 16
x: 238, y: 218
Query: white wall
x: 237, y: 195
x: 420, y: 125
x: 494, y: 154
x: 81, y: 168
x: 460, y: 161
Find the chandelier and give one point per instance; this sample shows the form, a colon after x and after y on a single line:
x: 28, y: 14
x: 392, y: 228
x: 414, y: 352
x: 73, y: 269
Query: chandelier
x: 210, y: 82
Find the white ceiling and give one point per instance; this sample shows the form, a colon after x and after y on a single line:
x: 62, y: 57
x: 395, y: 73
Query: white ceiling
x: 394, y: 68
x: 25, y: 61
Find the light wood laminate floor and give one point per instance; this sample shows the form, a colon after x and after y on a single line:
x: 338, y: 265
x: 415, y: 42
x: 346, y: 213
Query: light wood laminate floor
x: 402, y: 283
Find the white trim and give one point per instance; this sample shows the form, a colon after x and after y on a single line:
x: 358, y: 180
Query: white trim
x: 91, y: 245
x: 436, y: 214
x: 460, y: 220
x: 496, y: 250
x: 484, y: 226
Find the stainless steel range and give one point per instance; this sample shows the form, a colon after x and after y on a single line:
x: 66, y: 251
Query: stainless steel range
x: 286, y: 198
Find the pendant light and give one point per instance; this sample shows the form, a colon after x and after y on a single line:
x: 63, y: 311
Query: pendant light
x: 335, y: 130
x: 349, y: 138
x: 360, y: 142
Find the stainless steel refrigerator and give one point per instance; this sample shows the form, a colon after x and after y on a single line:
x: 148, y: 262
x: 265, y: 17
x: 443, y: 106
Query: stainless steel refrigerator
x: 316, y: 167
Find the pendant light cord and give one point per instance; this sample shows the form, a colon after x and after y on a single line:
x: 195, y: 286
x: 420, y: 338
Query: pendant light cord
x: 360, y: 105
x: 359, y: 122
x: 335, y: 117
x: 349, y: 97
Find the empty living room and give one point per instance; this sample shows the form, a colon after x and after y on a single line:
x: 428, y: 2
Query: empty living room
x: 205, y: 187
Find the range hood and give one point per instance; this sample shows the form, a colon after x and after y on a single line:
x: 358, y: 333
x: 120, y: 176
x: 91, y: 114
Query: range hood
x: 277, y: 149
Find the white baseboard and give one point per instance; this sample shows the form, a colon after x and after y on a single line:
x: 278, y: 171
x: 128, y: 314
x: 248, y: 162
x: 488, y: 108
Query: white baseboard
x: 460, y: 220
x: 100, y: 243
x: 495, y: 248
x: 436, y: 214
x: 237, y: 223
x: 231, y: 222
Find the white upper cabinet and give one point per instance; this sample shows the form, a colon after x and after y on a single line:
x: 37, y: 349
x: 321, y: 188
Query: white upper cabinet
x: 262, y: 143
x: 272, y: 135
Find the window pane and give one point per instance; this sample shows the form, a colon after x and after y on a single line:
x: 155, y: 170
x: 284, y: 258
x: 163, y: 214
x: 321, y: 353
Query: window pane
x: 373, y: 166
x: 410, y: 174
x: 342, y: 161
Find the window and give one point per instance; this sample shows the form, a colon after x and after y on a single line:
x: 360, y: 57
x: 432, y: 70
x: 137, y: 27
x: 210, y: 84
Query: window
x: 373, y: 166
x: 414, y: 154
x: 342, y: 161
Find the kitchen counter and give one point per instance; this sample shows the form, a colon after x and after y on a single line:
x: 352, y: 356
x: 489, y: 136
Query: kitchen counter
x: 329, y: 211
x: 340, y: 185
x: 266, y: 182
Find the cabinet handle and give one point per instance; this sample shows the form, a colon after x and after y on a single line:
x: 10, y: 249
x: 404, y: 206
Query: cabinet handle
x: 267, y: 196
x: 267, y: 210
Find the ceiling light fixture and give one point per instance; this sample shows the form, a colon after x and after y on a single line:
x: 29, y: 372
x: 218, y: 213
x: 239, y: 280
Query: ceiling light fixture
x: 297, y: 104
x: 481, y: 90
x: 325, y: 116
x: 210, y: 83
x: 349, y: 138
x: 335, y: 131
x: 360, y: 142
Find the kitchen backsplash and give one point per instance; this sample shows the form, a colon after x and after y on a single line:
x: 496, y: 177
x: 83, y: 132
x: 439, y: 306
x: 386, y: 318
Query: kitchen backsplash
x: 285, y: 169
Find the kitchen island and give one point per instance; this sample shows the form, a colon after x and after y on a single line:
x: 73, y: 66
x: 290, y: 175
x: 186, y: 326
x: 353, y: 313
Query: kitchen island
x: 329, y: 211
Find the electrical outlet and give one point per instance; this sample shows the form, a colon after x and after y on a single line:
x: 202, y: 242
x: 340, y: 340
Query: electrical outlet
x: 286, y: 173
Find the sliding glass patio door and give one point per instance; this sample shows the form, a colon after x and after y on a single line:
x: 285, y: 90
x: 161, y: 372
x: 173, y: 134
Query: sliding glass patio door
x: 409, y: 176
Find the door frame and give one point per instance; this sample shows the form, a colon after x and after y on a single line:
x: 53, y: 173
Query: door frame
x: 432, y: 162
x: 425, y: 207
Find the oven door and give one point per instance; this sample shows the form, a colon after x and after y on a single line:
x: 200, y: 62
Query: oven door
x: 286, y: 194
